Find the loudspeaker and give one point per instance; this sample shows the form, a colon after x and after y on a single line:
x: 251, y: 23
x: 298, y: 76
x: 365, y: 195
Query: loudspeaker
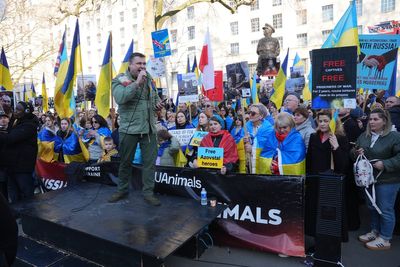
x: 328, y: 235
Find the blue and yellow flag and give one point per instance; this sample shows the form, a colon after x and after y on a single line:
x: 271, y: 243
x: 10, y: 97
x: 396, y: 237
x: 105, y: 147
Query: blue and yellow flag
x: 254, y: 94
x: 62, y: 62
x: 280, y: 83
x: 333, y: 121
x: 74, y: 149
x: 125, y: 62
x: 74, y: 67
x: 33, y: 91
x: 291, y: 153
x: 5, y: 76
x: 45, y: 101
x: 345, y: 32
x: 25, y: 94
x: 103, y: 93
x: 49, y: 145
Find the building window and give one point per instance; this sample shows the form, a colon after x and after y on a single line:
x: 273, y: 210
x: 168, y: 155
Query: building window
x: 325, y: 35
x: 99, y: 38
x: 174, y: 34
x: 302, y: 39
x: 276, y: 2
x: 134, y: 29
x: 88, y: 25
x: 88, y: 40
x: 387, y: 5
x: 98, y: 24
x: 134, y: 13
x: 360, y: 29
x: 109, y: 20
x: 359, y: 8
x: 121, y: 16
x: 280, y: 39
x: 255, y: 5
x: 252, y: 68
x: 327, y: 13
x: 191, y: 32
x: 277, y: 21
x: 301, y: 17
x: 191, y: 49
x: 234, y: 28
x: 255, y: 25
x: 254, y: 42
x: 235, y: 49
x: 122, y: 32
x: 190, y: 12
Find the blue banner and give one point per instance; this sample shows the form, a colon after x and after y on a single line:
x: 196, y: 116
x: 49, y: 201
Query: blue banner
x: 161, y: 44
x: 377, y: 61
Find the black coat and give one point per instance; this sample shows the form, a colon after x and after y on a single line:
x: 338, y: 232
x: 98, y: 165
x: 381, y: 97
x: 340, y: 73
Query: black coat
x: 351, y: 128
x: 395, y: 116
x: 20, y: 145
x: 319, y: 155
x: 8, y: 233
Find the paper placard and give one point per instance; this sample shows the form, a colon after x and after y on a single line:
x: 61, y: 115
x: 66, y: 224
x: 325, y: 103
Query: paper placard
x: 210, y: 157
x: 197, y: 137
x: 183, y: 135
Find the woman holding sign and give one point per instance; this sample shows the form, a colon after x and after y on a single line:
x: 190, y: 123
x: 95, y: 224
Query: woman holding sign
x: 222, y: 139
x: 191, y: 152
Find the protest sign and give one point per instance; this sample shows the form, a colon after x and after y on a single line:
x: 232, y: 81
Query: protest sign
x: 161, y: 44
x: 183, y: 135
x: 187, y: 87
x: 387, y: 27
x: 295, y: 85
x: 197, y: 137
x: 238, y: 80
x: 86, y: 85
x: 210, y: 157
x: 377, y: 61
x: 334, y: 73
x: 156, y: 67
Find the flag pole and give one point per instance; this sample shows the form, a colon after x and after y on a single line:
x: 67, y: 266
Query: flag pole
x: 246, y: 134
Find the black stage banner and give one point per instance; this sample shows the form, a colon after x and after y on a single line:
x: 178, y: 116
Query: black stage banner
x: 265, y: 211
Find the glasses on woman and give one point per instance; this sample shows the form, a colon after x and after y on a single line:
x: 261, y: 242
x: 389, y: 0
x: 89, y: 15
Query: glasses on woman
x: 253, y: 113
x: 94, y: 122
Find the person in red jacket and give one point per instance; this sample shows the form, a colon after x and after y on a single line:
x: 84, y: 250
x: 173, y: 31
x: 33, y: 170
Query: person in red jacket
x: 223, y: 139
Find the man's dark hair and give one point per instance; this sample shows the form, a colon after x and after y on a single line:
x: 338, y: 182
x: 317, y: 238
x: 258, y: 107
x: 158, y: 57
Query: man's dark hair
x: 136, y: 54
x: 108, y: 139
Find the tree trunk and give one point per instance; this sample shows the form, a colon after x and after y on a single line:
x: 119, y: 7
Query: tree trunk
x: 148, y: 26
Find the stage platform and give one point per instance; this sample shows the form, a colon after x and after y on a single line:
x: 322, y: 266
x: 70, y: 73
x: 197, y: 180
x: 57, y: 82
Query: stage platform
x: 131, y: 232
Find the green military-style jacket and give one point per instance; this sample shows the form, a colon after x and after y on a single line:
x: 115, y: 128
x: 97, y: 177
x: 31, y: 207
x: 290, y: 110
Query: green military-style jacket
x: 136, y: 104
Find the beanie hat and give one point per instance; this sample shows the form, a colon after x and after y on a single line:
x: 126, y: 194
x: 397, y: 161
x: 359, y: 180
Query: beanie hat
x: 219, y: 120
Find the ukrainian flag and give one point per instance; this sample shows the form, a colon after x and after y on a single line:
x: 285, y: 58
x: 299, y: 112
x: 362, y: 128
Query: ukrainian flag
x: 254, y: 94
x: 280, y: 83
x: 345, y: 32
x: 33, y: 91
x: 240, y: 148
x: 103, y: 93
x: 125, y: 62
x: 48, y: 144
x: 5, y: 76
x: 74, y: 150
x: 62, y: 62
x: 333, y: 121
x: 291, y: 153
x: 25, y: 94
x: 74, y: 67
x: 45, y: 101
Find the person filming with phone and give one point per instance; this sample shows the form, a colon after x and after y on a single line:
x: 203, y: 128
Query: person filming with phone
x: 137, y: 99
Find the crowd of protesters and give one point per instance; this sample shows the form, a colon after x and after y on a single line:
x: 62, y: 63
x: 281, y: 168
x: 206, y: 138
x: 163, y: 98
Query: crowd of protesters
x: 256, y: 139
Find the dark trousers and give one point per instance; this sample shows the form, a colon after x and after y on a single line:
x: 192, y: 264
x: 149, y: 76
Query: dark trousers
x: 3, y: 184
x: 20, y: 185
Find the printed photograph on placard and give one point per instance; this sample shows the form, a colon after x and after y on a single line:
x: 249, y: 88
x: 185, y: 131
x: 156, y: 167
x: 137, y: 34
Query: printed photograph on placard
x: 237, y: 76
x: 295, y: 85
x: 187, y: 87
x: 86, y: 85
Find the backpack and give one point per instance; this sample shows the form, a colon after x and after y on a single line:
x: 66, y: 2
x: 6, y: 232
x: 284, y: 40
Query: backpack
x: 364, y: 177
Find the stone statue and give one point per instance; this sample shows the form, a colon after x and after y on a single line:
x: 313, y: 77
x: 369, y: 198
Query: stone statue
x: 268, y: 50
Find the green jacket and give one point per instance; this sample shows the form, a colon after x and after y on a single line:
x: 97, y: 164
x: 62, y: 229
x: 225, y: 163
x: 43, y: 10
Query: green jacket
x: 136, y: 105
x: 387, y: 149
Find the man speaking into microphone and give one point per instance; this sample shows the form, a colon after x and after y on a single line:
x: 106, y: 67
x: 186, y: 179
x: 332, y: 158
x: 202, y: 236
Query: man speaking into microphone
x: 137, y: 99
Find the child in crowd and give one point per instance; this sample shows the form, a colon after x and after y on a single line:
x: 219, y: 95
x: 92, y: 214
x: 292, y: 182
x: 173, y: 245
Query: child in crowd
x: 109, y: 150
x: 168, y: 148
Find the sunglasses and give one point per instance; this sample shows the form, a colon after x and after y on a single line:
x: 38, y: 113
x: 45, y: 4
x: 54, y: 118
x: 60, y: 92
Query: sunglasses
x: 208, y: 106
x: 94, y: 122
x: 253, y: 113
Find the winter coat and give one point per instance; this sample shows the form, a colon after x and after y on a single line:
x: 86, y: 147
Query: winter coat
x: 136, y: 104
x: 20, y: 144
x: 318, y: 157
x: 387, y: 149
x: 395, y: 116
x: 305, y: 129
x: 167, y: 158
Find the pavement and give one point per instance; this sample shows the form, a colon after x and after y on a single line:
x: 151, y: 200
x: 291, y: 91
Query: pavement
x: 354, y: 254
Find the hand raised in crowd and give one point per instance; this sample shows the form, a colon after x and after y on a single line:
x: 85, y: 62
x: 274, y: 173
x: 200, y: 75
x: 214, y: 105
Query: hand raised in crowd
x: 142, y: 78
x: 379, y: 165
x: 223, y: 170
x: 159, y: 106
x: 333, y: 141
x: 92, y: 133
